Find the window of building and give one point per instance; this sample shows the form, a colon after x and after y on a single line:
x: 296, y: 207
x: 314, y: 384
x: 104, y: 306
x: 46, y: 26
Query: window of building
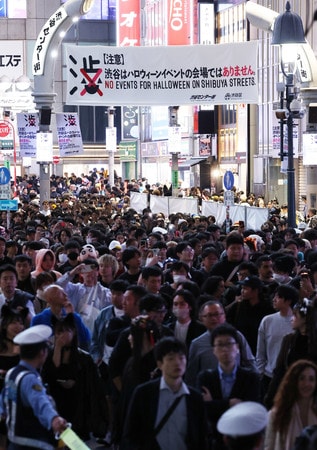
x: 13, y: 9
x: 101, y: 10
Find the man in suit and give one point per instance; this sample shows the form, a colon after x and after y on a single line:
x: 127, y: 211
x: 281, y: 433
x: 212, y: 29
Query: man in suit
x: 168, y: 397
x: 229, y: 384
x: 201, y: 355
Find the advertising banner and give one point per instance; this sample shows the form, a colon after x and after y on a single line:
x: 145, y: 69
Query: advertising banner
x: 199, y: 74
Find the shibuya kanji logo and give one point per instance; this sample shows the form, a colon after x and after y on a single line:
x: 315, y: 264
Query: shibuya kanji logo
x: 91, y: 76
x: 30, y: 120
x: 70, y: 120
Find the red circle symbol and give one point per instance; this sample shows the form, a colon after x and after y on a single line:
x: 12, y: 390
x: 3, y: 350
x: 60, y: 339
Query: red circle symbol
x: 56, y: 159
x: 4, y: 129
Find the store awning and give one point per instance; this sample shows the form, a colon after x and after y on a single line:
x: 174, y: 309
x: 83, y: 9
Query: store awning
x: 191, y: 162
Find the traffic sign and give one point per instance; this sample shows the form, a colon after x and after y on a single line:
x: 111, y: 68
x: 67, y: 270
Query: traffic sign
x: 4, y: 129
x: 228, y: 180
x: 56, y: 159
x: 8, y: 205
x: 4, y: 175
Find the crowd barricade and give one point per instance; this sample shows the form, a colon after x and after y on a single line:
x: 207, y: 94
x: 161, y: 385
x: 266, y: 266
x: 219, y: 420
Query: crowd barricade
x: 252, y: 216
x: 159, y: 204
x: 138, y: 201
x: 165, y: 205
x: 184, y: 205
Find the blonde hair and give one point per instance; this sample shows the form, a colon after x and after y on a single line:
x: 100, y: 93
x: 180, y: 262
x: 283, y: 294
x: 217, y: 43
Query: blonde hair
x: 109, y: 260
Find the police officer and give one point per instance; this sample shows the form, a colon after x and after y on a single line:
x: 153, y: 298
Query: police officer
x: 30, y: 414
x: 243, y: 426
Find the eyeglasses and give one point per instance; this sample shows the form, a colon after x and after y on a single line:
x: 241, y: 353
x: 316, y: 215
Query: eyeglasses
x: 225, y: 344
x: 210, y: 315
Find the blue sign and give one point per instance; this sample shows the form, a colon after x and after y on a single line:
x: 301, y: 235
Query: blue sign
x: 228, y: 180
x: 8, y: 205
x: 5, y: 176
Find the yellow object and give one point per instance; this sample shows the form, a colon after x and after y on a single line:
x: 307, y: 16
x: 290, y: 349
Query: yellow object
x: 72, y: 440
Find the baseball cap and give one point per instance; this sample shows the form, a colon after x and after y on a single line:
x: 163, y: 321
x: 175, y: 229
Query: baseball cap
x: 252, y: 281
x: 115, y: 245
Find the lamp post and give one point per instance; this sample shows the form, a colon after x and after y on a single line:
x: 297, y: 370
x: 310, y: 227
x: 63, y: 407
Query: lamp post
x: 287, y: 32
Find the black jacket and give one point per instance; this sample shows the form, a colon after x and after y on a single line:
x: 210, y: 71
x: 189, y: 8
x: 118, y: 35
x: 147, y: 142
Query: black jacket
x: 140, y: 420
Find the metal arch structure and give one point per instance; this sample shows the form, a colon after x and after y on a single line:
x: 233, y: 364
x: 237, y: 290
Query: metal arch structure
x: 47, y: 45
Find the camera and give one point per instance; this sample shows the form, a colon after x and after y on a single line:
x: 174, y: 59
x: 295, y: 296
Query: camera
x: 297, y: 109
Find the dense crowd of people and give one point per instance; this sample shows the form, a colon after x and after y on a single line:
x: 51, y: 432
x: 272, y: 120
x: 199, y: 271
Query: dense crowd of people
x: 160, y: 324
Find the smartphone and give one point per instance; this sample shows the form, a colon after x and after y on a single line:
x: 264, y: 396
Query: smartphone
x: 155, y: 251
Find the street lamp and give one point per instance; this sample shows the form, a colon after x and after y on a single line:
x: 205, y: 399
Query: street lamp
x: 287, y: 32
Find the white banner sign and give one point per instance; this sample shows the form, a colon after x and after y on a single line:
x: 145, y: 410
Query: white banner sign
x: 69, y: 135
x: 44, y: 146
x: 12, y: 59
x: 27, y: 130
x: 199, y: 74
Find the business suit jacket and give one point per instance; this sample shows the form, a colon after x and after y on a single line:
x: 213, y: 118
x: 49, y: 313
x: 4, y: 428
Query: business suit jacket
x: 140, y: 420
x: 201, y: 357
x: 246, y: 387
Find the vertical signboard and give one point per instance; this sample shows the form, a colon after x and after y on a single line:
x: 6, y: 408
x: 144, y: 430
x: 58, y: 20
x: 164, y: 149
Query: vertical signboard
x: 206, y: 23
x: 128, y: 23
x: 179, y: 22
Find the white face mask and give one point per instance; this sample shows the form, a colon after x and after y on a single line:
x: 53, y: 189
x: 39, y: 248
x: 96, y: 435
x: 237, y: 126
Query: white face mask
x: 62, y: 258
x: 88, y: 240
x: 180, y: 313
x: 280, y: 278
x: 179, y: 278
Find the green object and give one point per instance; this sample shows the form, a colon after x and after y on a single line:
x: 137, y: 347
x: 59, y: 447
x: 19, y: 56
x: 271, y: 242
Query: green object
x: 6, y: 164
x: 175, y: 178
x: 128, y: 151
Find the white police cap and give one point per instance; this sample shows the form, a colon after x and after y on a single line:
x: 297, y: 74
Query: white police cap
x: 243, y: 419
x: 33, y: 335
x: 159, y: 230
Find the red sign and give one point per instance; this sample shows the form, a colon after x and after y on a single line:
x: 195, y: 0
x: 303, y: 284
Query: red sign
x: 128, y: 27
x: 179, y: 22
x: 4, y: 129
x: 56, y: 159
